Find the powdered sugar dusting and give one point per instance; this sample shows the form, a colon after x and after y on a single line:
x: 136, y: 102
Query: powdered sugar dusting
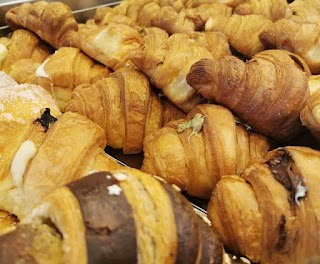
x: 22, y: 102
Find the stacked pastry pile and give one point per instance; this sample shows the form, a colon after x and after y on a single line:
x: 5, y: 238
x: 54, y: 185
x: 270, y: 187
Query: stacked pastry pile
x: 214, y: 93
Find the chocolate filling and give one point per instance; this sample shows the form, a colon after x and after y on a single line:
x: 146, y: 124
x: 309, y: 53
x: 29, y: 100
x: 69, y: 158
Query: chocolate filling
x: 46, y: 119
x: 282, y: 233
x: 283, y: 170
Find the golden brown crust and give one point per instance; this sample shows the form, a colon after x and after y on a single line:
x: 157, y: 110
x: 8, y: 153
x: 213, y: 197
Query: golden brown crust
x: 278, y: 221
x: 50, y: 21
x: 60, y: 73
x: 299, y: 38
x: 255, y: 92
x: 216, y: 146
x: 23, y: 44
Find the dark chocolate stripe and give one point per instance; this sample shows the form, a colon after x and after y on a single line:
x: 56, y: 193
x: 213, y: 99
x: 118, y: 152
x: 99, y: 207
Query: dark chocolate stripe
x: 212, y: 251
x: 187, y: 227
x: 109, y: 222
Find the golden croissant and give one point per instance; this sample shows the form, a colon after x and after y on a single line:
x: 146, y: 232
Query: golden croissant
x: 60, y: 73
x: 7, y: 222
x: 300, y: 38
x: 271, y: 9
x: 242, y: 32
x: 124, y: 106
x: 267, y: 93
x: 110, y: 44
x: 167, y: 60
x: 310, y: 115
x: 122, y: 216
x: 22, y: 44
x: 269, y: 214
x: 305, y: 11
x: 52, y: 22
x: 194, y: 153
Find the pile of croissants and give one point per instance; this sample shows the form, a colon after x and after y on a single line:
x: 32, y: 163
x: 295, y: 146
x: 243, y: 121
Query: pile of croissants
x: 220, y: 97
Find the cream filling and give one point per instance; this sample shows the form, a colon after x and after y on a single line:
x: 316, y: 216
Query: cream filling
x: 3, y: 52
x: 300, y: 193
x: 25, y: 153
x: 40, y: 72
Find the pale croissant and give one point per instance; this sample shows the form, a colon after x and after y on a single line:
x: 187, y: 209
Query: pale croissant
x: 267, y: 93
x: 278, y: 201
x: 60, y: 73
x: 124, y: 106
x: 167, y: 60
x: 305, y: 11
x: 194, y: 153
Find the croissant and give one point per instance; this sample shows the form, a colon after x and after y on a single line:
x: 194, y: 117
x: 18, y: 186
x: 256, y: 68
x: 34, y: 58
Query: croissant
x: 271, y: 9
x: 60, y: 73
x: 310, y: 114
x: 278, y: 204
x: 242, y: 32
x: 22, y: 44
x: 52, y: 22
x: 112, y: 44
x: 267, y: 93
x: 78, y: 223
x: 300, y: 38
x: 104, y: 15
x: 305, y: 11
x: 124, y: 106
x: 210, y: 134
x: 7, y: 222
x: 167, y: 60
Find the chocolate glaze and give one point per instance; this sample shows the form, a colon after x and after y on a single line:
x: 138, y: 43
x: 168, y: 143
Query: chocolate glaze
x: 212, y: 249
x: 110, y: 226
x: 187, y: 227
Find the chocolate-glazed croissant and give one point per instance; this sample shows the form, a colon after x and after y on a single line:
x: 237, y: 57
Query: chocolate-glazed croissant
x: 269, y: 214
x: 268, y: 92
x: 196, y: 152
x: 122, y: 216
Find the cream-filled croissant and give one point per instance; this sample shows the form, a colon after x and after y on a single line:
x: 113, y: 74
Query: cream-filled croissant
x: 122, y: 216
x: 269, y: 214
x: 125, y: 107
x: 267, y: 93
x: 194, y: 153
x: 167, y: 60
x: 22, y: 44
x: 300, y: 38
x: 242, y: 32
x: 60, y: 73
